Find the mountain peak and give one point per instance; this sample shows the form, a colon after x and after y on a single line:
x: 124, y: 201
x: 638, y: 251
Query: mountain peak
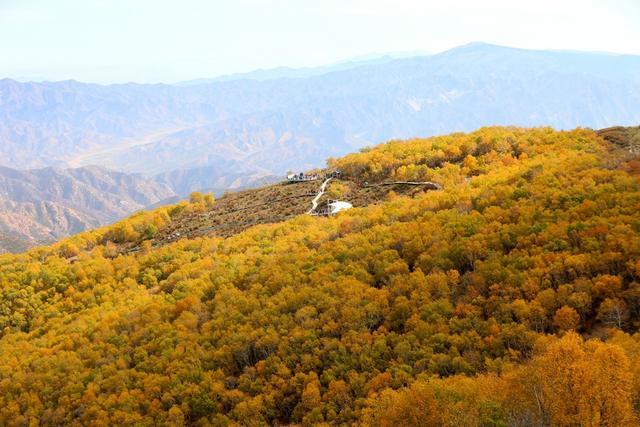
x: 483, y: 48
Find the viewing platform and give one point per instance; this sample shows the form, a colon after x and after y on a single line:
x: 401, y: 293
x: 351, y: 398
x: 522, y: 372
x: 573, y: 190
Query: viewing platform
x: 302, y: 177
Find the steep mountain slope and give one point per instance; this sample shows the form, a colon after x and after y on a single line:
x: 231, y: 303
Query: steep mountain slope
x: 627, y: 138
x: 470, y: 305
x: 256, y: 127
x: 41, y: 206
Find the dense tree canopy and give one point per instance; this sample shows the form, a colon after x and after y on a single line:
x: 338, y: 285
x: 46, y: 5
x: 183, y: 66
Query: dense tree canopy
x: 510, y: 297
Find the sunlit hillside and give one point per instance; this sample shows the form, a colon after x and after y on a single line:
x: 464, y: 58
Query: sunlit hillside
x: 507, y: 296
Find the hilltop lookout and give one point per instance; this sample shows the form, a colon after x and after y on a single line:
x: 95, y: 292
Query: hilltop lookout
x: 302, y: 177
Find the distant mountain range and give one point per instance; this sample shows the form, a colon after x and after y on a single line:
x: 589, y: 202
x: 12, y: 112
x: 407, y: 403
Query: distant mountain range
x: 303, y: 72
x: 41, y: 206
x: 242, y: 130
x: 267, y: 122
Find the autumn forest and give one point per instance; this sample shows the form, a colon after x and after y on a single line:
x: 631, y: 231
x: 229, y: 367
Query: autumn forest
x: 508, y: 297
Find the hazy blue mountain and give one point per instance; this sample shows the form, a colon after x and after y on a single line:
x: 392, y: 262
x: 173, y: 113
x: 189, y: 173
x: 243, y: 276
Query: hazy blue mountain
x: 301, y: 72
x: 251, y: 127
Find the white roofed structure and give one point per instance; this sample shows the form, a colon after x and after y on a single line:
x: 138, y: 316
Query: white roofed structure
x: 336, y: 206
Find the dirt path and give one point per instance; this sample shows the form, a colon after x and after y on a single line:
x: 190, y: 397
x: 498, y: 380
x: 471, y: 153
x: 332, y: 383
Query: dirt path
x: 314, y: 202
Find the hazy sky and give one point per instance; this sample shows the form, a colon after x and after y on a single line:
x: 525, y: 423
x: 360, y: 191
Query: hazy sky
x: 172, y: 40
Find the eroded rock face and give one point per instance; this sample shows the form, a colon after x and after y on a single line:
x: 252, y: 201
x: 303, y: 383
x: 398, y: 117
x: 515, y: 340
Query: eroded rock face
x: 623, y: 137
x: 41, y: 206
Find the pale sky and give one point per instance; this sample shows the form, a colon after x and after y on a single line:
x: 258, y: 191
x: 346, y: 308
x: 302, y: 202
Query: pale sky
x: 172, y: 40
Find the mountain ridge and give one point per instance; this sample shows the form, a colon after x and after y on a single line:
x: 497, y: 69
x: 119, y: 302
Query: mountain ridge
x: 234, y: 134
x: 43, y: 205
x: 457, y: 90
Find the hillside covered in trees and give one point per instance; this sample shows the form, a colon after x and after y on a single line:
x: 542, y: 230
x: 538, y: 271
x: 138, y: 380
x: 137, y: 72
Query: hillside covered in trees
x: 510, y: 297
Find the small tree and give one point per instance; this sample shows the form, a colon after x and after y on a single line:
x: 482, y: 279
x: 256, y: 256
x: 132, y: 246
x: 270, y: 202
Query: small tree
x: 566, y: 318
x: 209, y: 200
x: 196, y: 198
x: 68, y: 250
x: 613, y: 312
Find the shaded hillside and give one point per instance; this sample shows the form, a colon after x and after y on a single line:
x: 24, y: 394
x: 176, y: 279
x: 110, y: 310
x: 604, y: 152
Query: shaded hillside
x: 247, y: 128
x: 627, y: 138
x: 511, y: 297
x: 40, y: 206
x: 10, y: 242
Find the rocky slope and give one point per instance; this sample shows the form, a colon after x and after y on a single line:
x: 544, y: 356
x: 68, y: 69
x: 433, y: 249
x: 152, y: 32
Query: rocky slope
x: 42, y: 205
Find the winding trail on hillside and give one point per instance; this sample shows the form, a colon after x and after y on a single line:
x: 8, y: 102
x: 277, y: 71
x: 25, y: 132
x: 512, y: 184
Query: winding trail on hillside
x: 314, y: 202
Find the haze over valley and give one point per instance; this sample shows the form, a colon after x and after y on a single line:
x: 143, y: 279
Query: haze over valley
x: 265, y: 125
